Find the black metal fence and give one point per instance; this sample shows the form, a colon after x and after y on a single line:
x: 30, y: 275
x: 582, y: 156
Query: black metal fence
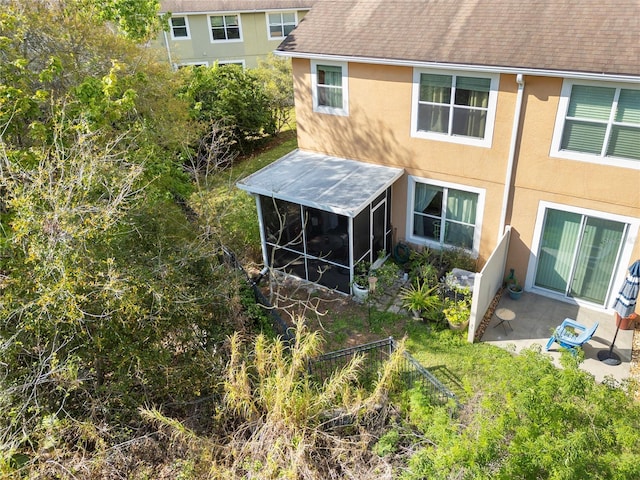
x: 410, y: 372
x: 279, y: 325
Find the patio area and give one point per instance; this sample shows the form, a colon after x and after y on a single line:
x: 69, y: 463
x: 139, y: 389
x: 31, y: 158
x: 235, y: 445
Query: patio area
x: 537, y: 316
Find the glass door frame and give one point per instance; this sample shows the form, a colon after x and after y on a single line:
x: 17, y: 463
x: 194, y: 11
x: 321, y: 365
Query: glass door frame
x: 376, y: 205
x: 624, y: 255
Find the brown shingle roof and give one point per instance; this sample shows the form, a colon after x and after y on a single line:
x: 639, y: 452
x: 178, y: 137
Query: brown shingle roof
x: 186, y: 6
x: 595, y: 36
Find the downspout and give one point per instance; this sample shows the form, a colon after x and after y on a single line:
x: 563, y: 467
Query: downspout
x: 512, y: 154
x: 166, y: 42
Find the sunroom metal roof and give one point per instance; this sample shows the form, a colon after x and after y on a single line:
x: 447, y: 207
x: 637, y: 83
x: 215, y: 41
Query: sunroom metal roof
x: 338, y: 185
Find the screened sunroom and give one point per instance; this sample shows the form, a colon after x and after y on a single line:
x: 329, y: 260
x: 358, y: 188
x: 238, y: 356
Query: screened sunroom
x: 320, y: 216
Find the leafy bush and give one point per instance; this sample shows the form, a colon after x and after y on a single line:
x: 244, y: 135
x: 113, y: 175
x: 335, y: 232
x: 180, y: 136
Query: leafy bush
x: 277, y: 78
x: 231, y: 96
x: 388, y: 443
x: 256, y: 312
x: 458, y: 258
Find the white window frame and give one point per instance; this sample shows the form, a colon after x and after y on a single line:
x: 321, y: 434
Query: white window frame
x: 625, y: 253
x: 191, y: 64
x: 223, y: 15
x: 282, y: 23
x: 344, y: 111
x: 487, y: 140
x: 477, y: 232
x: 186, y: 25
x: 563, y: 107
x: 229, y: 62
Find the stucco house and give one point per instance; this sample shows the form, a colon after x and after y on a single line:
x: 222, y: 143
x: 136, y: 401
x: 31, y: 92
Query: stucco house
x: 448, y: 123
x: 203, y: 32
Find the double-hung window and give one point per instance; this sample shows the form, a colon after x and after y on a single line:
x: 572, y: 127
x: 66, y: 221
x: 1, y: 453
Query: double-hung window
x: 179, y: 28
x: 454, y: 107
x: 281, y: 24
x: 330, y: 87
x: 225, y: 28
x: 598, y: 123
x: 445, y: 214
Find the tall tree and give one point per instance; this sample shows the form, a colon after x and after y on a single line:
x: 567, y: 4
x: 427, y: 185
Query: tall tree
x: 135, y: 19
x: 277, y: 78
x: 111, y: 298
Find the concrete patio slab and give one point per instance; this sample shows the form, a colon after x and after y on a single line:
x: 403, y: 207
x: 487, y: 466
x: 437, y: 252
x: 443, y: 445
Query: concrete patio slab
x: 536, y: 318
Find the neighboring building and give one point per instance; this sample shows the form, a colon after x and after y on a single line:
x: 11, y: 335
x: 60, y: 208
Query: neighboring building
x: 439, y: 123
x: 202, y: 32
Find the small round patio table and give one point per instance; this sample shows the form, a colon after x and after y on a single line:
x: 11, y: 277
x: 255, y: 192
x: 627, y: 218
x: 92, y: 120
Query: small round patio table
x: 506, y: 316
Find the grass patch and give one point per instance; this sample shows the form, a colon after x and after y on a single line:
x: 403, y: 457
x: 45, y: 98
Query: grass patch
x: 230, y: 212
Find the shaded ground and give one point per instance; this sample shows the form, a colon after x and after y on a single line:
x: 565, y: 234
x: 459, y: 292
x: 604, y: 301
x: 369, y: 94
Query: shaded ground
x: 342, y: 321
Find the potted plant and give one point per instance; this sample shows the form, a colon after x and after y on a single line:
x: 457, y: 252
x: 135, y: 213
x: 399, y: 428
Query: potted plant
x: 419, y: 298
x: 360, y: 284
x: 457, y: 313
x: 514, y: 288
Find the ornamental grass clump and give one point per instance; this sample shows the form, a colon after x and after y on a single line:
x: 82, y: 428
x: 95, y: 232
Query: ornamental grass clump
x: 420, y: 298
x: 275, y: 421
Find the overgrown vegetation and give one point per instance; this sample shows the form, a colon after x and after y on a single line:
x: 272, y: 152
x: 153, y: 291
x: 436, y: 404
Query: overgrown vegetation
x: 528, y: 419
x: 113, y: 296
x: 126, y: 342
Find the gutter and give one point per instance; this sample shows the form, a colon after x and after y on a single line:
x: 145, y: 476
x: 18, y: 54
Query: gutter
x: 512, y: 155
x: 465, y: 67
x: 223, y: 12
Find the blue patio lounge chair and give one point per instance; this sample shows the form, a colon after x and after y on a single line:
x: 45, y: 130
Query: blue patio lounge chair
x: 571, y: 334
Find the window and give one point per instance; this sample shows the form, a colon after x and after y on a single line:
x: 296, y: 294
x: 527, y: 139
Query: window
x: 179, y: 28
x: 454, y: 107
x: 280, y: 24
x: 598, y: 123
x: 231, y: 62
x: 330, y: 92
x: 225, y: 28
x: 445, y: 214
x: 191, y: 64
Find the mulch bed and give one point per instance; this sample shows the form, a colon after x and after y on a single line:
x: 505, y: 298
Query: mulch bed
x: 487, y: 316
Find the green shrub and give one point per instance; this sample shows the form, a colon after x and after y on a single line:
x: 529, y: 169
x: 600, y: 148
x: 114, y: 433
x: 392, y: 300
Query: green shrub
x: 233, y: 97
x: 388, y: 443
x: 458, y: 258
x: 257, y: 313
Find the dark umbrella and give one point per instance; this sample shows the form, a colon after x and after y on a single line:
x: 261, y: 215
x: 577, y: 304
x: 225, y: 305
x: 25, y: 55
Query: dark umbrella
x: 624, y: 305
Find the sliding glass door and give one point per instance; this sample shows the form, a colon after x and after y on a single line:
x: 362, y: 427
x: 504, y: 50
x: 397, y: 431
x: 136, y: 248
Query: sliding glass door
x: 578, y: 255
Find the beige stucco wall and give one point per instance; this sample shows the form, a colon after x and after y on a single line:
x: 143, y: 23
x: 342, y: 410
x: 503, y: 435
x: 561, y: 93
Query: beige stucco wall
x: 540, y: 177
x: 378, y: 130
